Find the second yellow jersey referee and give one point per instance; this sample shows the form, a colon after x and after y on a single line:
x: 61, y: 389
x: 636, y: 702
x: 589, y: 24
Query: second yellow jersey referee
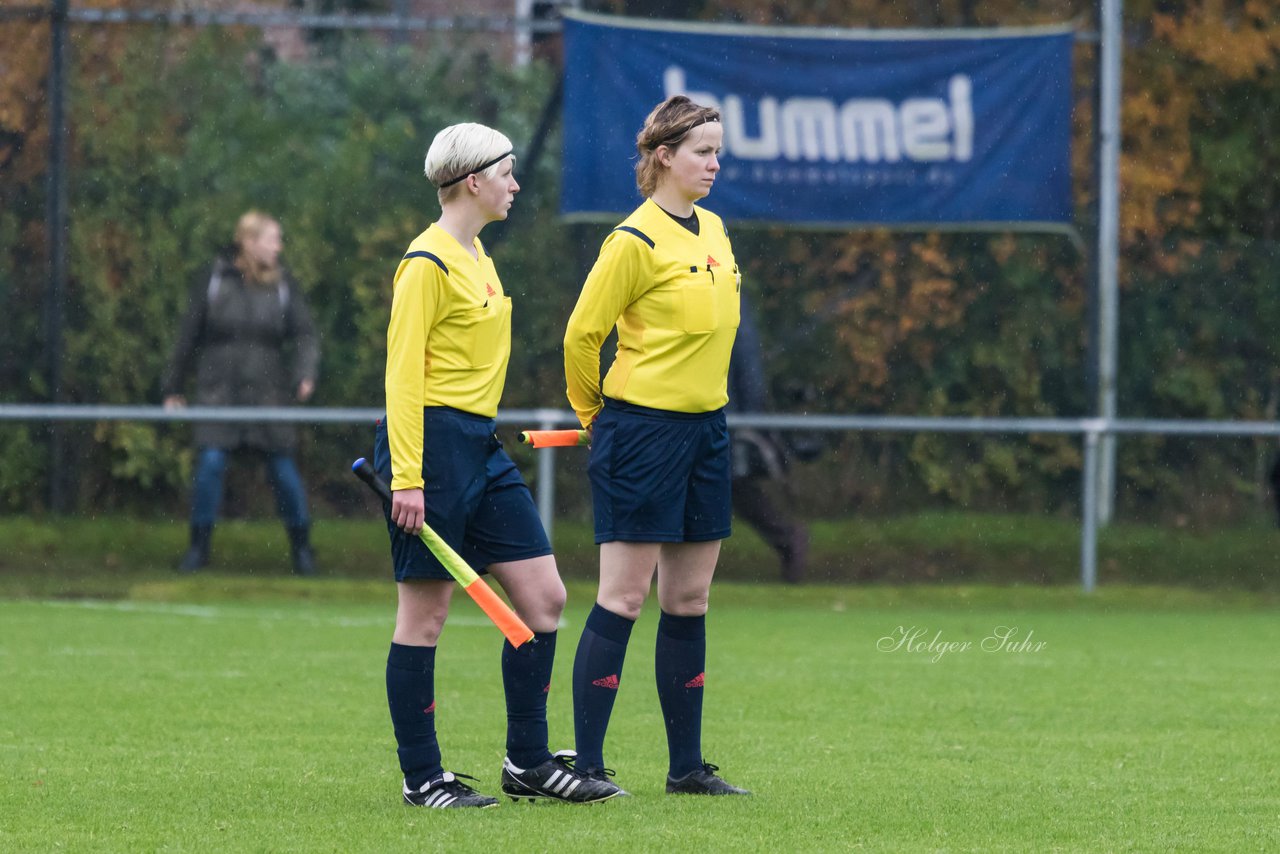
x: 660, y: 463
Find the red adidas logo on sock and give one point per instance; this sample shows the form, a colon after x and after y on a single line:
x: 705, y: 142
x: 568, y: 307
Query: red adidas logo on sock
x: 547, y: 690
x: 429, y: 709
x: 610, y: 682
x: 698, y: 681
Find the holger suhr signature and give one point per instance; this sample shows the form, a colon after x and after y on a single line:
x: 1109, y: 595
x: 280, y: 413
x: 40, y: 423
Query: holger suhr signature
x: 918, y: 640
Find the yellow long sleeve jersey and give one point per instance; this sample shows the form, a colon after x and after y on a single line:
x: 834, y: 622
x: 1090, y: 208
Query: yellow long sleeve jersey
x: 448, y: 342
x: 674, y: 297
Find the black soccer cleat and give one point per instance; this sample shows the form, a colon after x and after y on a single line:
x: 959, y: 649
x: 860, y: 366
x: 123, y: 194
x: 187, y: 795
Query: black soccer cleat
x: 557, y: 779
x: 604, y: 774
x: 702, y: 782
x: 447, y: 792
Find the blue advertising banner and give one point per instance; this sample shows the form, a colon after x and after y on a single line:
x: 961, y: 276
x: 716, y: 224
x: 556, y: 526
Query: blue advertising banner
x: 827, y: 128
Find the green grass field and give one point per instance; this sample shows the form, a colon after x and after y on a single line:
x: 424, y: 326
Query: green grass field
x: 188, y: 717
x: 109, y: 556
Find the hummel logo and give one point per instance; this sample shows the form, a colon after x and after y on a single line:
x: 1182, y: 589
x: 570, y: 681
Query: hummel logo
x: 698, y: 681
x: 610, y: 682
x: 429, y: 709
x: 489, y: 290
x: 711, y: 262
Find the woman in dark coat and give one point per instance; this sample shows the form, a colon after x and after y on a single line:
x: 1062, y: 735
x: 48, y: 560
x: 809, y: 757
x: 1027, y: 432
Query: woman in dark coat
x: 243, y: 323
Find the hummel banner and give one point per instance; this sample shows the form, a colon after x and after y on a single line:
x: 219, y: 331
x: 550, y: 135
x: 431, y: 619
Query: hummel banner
x: 829, y: 128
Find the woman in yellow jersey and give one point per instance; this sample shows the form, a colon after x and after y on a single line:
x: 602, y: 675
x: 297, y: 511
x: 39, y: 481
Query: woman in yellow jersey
x: 660, y: 466
x: 448, y: 343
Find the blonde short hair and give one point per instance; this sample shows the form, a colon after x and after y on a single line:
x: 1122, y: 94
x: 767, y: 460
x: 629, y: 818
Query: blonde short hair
x: 461, y: 150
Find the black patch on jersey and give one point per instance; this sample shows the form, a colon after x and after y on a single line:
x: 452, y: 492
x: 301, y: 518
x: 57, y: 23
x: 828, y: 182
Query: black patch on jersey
x: 428, y: 255
x: 637, y: 232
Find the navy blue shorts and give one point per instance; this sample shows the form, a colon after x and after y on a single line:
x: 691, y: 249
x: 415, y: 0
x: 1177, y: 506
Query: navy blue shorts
x: 659, y: 476
x: 475, y: 498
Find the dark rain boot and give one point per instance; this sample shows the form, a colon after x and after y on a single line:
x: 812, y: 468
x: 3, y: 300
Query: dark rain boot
x: 197, y: 556
x: 304, y: 560
x: 795, y: 555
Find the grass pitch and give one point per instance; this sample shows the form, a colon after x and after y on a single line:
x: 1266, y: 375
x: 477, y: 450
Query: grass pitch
x: 187, y: 718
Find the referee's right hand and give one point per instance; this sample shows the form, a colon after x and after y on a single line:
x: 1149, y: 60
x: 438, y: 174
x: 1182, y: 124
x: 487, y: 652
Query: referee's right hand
x: 408, y: 510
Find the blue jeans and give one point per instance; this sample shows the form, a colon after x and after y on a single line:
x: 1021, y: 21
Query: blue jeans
x: 291, y: 499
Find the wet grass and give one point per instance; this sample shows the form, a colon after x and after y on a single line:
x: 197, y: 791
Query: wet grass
x: 246, y: 713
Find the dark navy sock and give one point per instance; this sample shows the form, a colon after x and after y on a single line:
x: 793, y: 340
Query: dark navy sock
x: 411, y: 698
x: 526, y: 678
x: 680, y: 661
x: 597, y: 672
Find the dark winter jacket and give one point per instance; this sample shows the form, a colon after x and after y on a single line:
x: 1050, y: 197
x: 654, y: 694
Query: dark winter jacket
x: 760, y: 453
x: 252, y: 345
x: 756, y: 453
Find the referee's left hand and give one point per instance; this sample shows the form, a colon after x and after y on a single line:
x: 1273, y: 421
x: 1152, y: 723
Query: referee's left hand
x: 408, y: 510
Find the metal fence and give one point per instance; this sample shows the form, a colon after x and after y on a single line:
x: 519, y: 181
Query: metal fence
x: 1097, y: 434
x: 1091, y: 430
x: 541, y: 19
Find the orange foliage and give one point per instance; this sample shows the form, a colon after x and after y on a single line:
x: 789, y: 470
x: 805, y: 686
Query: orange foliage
x: 1241, y: 43
x: 93, y: 51
x: 917, y: 294
x: 1156, y: 159
x: 1166, y: 95
x: 24, y: 55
